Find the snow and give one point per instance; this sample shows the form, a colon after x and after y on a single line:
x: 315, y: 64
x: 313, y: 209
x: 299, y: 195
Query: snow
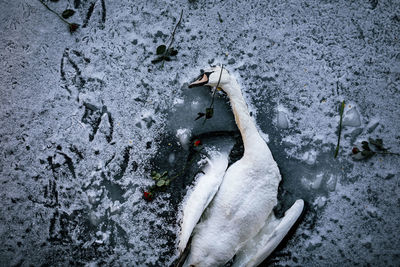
x: 331, y: 182
x: 183, y: 136
x: 320, y: 201
x: 352, y: 118
x: 313, y: 184
x: 310, y: 157
x: 86, y: 117
x: 282, y: 118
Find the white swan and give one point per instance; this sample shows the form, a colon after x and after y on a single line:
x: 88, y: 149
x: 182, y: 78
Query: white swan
x: 237, y: 202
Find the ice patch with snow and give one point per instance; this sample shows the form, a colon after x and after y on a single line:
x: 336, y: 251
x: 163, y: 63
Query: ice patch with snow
x: 86, y: 117
x: 183, y: 136
x: 282, y: 118
x: 351, y: 118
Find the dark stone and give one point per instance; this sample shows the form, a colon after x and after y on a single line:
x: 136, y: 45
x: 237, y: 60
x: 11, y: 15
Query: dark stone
x: 148, y: 145
x: 373, y: 3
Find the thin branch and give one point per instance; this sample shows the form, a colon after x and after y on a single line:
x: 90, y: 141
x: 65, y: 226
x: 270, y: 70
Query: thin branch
x: 340, y: 128
x: 174, y: 31
x: 213, y: 96
x: 216, y: 88
x: 72, y: 26
x: 51, y: 10
x: 387, y: 153
x: 172, y: 38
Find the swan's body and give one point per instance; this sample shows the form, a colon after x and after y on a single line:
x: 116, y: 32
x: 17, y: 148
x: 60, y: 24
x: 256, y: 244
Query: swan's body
x: 239, y: 219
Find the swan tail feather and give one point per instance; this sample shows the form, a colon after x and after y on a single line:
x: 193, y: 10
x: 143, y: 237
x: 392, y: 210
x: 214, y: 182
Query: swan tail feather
x: 184, y: 254
x: 261, y: 246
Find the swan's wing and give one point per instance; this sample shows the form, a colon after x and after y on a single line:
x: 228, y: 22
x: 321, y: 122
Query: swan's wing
x: 204, y: 191
x: 264, y: 243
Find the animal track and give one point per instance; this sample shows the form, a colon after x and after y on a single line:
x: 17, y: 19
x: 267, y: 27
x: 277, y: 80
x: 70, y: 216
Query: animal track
x: 102, y: 12
x: 93, y: 116
x: 72, y: 62
x: 50, y: 194
x: 124, y: 164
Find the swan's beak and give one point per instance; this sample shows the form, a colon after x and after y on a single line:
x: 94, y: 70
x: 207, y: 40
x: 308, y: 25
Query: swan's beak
x: 201, y: 80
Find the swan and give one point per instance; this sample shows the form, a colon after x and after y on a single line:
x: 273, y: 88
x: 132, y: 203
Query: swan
x: 230, y: 210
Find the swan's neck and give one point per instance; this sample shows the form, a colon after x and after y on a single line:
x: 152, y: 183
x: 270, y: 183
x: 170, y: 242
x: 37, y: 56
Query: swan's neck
x: 251, y: 138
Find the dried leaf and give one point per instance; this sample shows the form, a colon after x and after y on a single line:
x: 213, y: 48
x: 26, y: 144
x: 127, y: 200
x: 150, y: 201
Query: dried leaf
x: 219, y: 17
x: 172, y: 52
x: 367, y: 154
x: 67, y: 13
x: 161, y: 183
x: 200, y: 115
x: 159, y: 59
x: 209, y: 113
x: 364, y: 145
x: 161, y: 49
x: 378, y: 143
x: 157, y: 176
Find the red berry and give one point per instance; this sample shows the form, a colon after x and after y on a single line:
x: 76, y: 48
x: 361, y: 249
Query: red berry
x: 73, y: 27
x: 197, y: 143
x: 147, y: 196
x: 355, y: 150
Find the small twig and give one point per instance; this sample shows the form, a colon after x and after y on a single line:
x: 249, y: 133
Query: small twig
x: 219, y: 17
x: 387, y: 153
x: 72, y: 26
x: 174, y: 31
x: 366, y: 152
x: 213, y: 96
x: 216, y: 88
x: 172, y: 38
x: 340, y: 128
x: 51, y: 10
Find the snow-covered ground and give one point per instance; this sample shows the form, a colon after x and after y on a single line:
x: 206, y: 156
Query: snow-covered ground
x: 86, y: 117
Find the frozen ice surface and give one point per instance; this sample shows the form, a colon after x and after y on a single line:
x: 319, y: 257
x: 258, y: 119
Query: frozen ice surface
x: 183, y: 136
x: 85, y: 118
x: 352, y: 118
x: 282, y: 118
x: 310, y: 157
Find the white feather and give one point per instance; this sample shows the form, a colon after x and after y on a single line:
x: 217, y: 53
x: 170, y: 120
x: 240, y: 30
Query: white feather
x: 204, y: 190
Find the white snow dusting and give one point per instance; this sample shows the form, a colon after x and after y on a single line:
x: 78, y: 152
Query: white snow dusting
x: 85, y: 118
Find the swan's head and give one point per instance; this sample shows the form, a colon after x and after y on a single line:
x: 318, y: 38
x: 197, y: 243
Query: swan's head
x: 211, y: 76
